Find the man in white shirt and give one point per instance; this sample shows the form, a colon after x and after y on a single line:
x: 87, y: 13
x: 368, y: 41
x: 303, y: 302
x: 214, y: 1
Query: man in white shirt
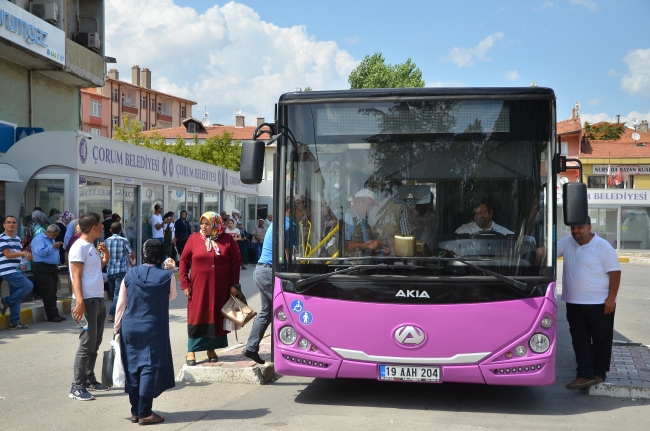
x: 590, y: 282
x: 483, y: 221
x: 88, y: 301
x: 157, y: 223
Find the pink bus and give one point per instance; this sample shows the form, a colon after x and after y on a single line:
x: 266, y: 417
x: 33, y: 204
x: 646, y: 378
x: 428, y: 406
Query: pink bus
x: 419, y: 240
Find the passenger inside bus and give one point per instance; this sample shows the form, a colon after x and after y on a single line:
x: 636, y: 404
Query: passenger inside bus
x: 421, y: 221
x: 360, y: 237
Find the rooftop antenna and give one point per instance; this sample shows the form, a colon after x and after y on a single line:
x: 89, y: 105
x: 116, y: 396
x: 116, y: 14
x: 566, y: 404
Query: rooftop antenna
x: 577, y: 106
x: 206, y: 120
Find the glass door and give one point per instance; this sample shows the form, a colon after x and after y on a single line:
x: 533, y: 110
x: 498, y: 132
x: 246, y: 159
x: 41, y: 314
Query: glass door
x: 125, y: 203
x: 194, y: 210
x: 604, y: 223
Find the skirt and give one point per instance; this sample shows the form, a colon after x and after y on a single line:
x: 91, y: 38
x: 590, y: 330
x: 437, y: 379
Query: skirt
x: 200, y: 344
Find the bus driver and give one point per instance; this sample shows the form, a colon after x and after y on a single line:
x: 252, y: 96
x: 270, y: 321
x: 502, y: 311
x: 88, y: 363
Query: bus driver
x: 483, y: 221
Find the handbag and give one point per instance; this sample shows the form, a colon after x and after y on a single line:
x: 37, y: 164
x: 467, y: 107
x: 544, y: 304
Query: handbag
x: 237, y: 312
x: 107, y: 368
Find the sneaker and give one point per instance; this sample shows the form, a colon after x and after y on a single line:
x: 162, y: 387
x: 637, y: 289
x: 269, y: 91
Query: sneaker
x: 3, y: 306
x: 18, y: 325
x: 110, y: 318
x: 80, y: 394
x: 96, y: 386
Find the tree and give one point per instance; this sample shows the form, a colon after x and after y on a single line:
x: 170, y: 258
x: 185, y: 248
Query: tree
x: 373, y: 72
x: 217, y: 150
x: 604, y: 131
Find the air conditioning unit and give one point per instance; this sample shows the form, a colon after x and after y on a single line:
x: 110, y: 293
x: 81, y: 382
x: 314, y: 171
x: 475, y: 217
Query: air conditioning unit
x: 46, y: 11
x: 88, y: 40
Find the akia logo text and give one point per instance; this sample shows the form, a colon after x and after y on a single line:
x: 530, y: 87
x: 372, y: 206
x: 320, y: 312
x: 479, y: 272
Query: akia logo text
x: 413, y: 294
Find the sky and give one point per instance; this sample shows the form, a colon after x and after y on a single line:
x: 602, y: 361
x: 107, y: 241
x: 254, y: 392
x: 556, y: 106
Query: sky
x: 245, y: 54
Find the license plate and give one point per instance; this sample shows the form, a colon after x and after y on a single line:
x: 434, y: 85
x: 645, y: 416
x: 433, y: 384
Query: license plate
x: 411, y: 374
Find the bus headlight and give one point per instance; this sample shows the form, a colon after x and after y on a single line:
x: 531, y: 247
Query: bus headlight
x: 547, y: 322
x: 539, y: 343
x: 520, y: 351
x: 280, y: 315
x: 304, y: 344
x: 288, y: 335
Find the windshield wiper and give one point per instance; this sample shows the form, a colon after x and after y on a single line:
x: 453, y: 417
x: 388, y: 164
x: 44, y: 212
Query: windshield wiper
x: 315, y: 278
x: 508, y: 280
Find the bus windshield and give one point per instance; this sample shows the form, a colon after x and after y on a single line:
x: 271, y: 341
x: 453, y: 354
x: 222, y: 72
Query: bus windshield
x: 419, y: 185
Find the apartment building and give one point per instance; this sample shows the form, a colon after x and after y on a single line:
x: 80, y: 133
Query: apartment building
x: 136, y: 99
x: 95, y: 115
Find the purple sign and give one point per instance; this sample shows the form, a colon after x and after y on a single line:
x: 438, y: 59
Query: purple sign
x: 164, y: 166
x: 171, y: 168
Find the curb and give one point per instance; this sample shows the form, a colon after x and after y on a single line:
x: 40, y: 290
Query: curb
x: 34, y: 312
x: 619, y: 391
x: 257, y: 375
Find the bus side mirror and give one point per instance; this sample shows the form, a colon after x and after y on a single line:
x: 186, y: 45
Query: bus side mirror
x: 574, y: 200
x: 252, y: 162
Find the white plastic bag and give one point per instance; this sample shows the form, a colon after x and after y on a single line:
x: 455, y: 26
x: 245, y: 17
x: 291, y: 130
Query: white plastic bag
x: 118, y: 367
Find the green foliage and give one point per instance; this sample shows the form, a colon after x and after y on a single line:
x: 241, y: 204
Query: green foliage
x: 308, y: 89
x: 217, y: 150
x: 373, y: 72
x: 604, y: 131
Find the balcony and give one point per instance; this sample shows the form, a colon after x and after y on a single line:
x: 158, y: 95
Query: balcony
x: 129, y: 107
x: 164, y: 116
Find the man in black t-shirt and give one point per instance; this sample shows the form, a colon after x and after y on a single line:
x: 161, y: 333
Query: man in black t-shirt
x: 108, y: 221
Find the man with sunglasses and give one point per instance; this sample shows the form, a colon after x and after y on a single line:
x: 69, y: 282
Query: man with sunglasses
x: 483, y: 221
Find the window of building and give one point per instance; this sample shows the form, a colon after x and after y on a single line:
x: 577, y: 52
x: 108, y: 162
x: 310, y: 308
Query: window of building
x: 94, y: 194
x: 95, y: 108
x: 152, y: 104
x: 94, y: 131
x: 144, y: 126
x: 123, y: 99
x: 143, y: 105
x: 564, y: 148
x: 191, y: 128
x: 635, y: 228
x: 115, y: 121
x: 600, y: 182
x: 159, y: 107
x: 182, y: 111
x: 115, y: 95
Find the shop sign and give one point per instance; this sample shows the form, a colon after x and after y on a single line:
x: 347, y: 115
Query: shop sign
x: 232, y: 183
x: 32, y: 33
x: 630, y: 169
x: 618, y: 196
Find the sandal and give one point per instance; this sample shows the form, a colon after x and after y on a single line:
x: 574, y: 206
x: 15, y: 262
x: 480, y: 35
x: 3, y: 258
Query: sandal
x: 155, y: 419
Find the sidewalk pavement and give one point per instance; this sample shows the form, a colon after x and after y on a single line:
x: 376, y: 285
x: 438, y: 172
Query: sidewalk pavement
x: 232, y: 367
x: 629, y: 373
x: 33, y: 311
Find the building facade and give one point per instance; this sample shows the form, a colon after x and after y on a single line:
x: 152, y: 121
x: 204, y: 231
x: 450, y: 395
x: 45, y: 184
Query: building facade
x: 95, y: 115
x: 137, y: 100
x: 48, y: 51
x: 617, y: 174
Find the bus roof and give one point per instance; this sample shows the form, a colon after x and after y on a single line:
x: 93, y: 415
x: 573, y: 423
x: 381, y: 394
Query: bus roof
x: 408, y: 94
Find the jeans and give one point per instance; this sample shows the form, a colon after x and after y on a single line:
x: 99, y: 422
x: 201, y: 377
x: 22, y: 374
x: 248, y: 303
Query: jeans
x: 114, y: 283
x: 89, y: 342
x: 263, y: 277
x: 140, y: 406
x: 19, y: 288
x: 258, y: 248
x: 592, y: 333
x: 47, y: 278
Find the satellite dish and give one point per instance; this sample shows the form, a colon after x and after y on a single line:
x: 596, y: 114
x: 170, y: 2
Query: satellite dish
x: 238, y: 111
x: 636, y: 136
x: 205, y: 121
x: 563, y: 180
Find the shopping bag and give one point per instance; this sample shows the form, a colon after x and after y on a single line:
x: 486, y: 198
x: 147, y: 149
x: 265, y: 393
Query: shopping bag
x: 237, y: 312
x: 107, y: 368
x: 118, y: 376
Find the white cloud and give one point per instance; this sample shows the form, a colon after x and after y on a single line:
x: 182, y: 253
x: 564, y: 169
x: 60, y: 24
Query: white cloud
x: 511, y: 75
x: 546, y: 5
x: 628, y: 119
x: 352, y: 40
x: 593, y: 101
x: 589, y: 4
x: 225, y: 58
x: 465, y: 57
x: 637, y: 80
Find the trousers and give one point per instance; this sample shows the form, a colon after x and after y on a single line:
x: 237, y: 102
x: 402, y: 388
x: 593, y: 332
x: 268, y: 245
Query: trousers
x: 263, y: 277
x: 47, y: 278
x: 89, y: 342
x: 592, y: 333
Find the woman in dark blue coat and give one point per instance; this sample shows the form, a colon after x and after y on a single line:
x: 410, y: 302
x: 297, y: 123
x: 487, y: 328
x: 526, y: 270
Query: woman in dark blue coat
x: 142, y: 320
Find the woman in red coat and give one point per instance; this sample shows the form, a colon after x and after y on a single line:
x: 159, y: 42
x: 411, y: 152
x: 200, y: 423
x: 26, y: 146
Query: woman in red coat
x: 209, y: 270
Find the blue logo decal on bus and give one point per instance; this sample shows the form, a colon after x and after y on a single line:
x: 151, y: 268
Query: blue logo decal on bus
x: 297, y: 306
x: 306, y: 318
